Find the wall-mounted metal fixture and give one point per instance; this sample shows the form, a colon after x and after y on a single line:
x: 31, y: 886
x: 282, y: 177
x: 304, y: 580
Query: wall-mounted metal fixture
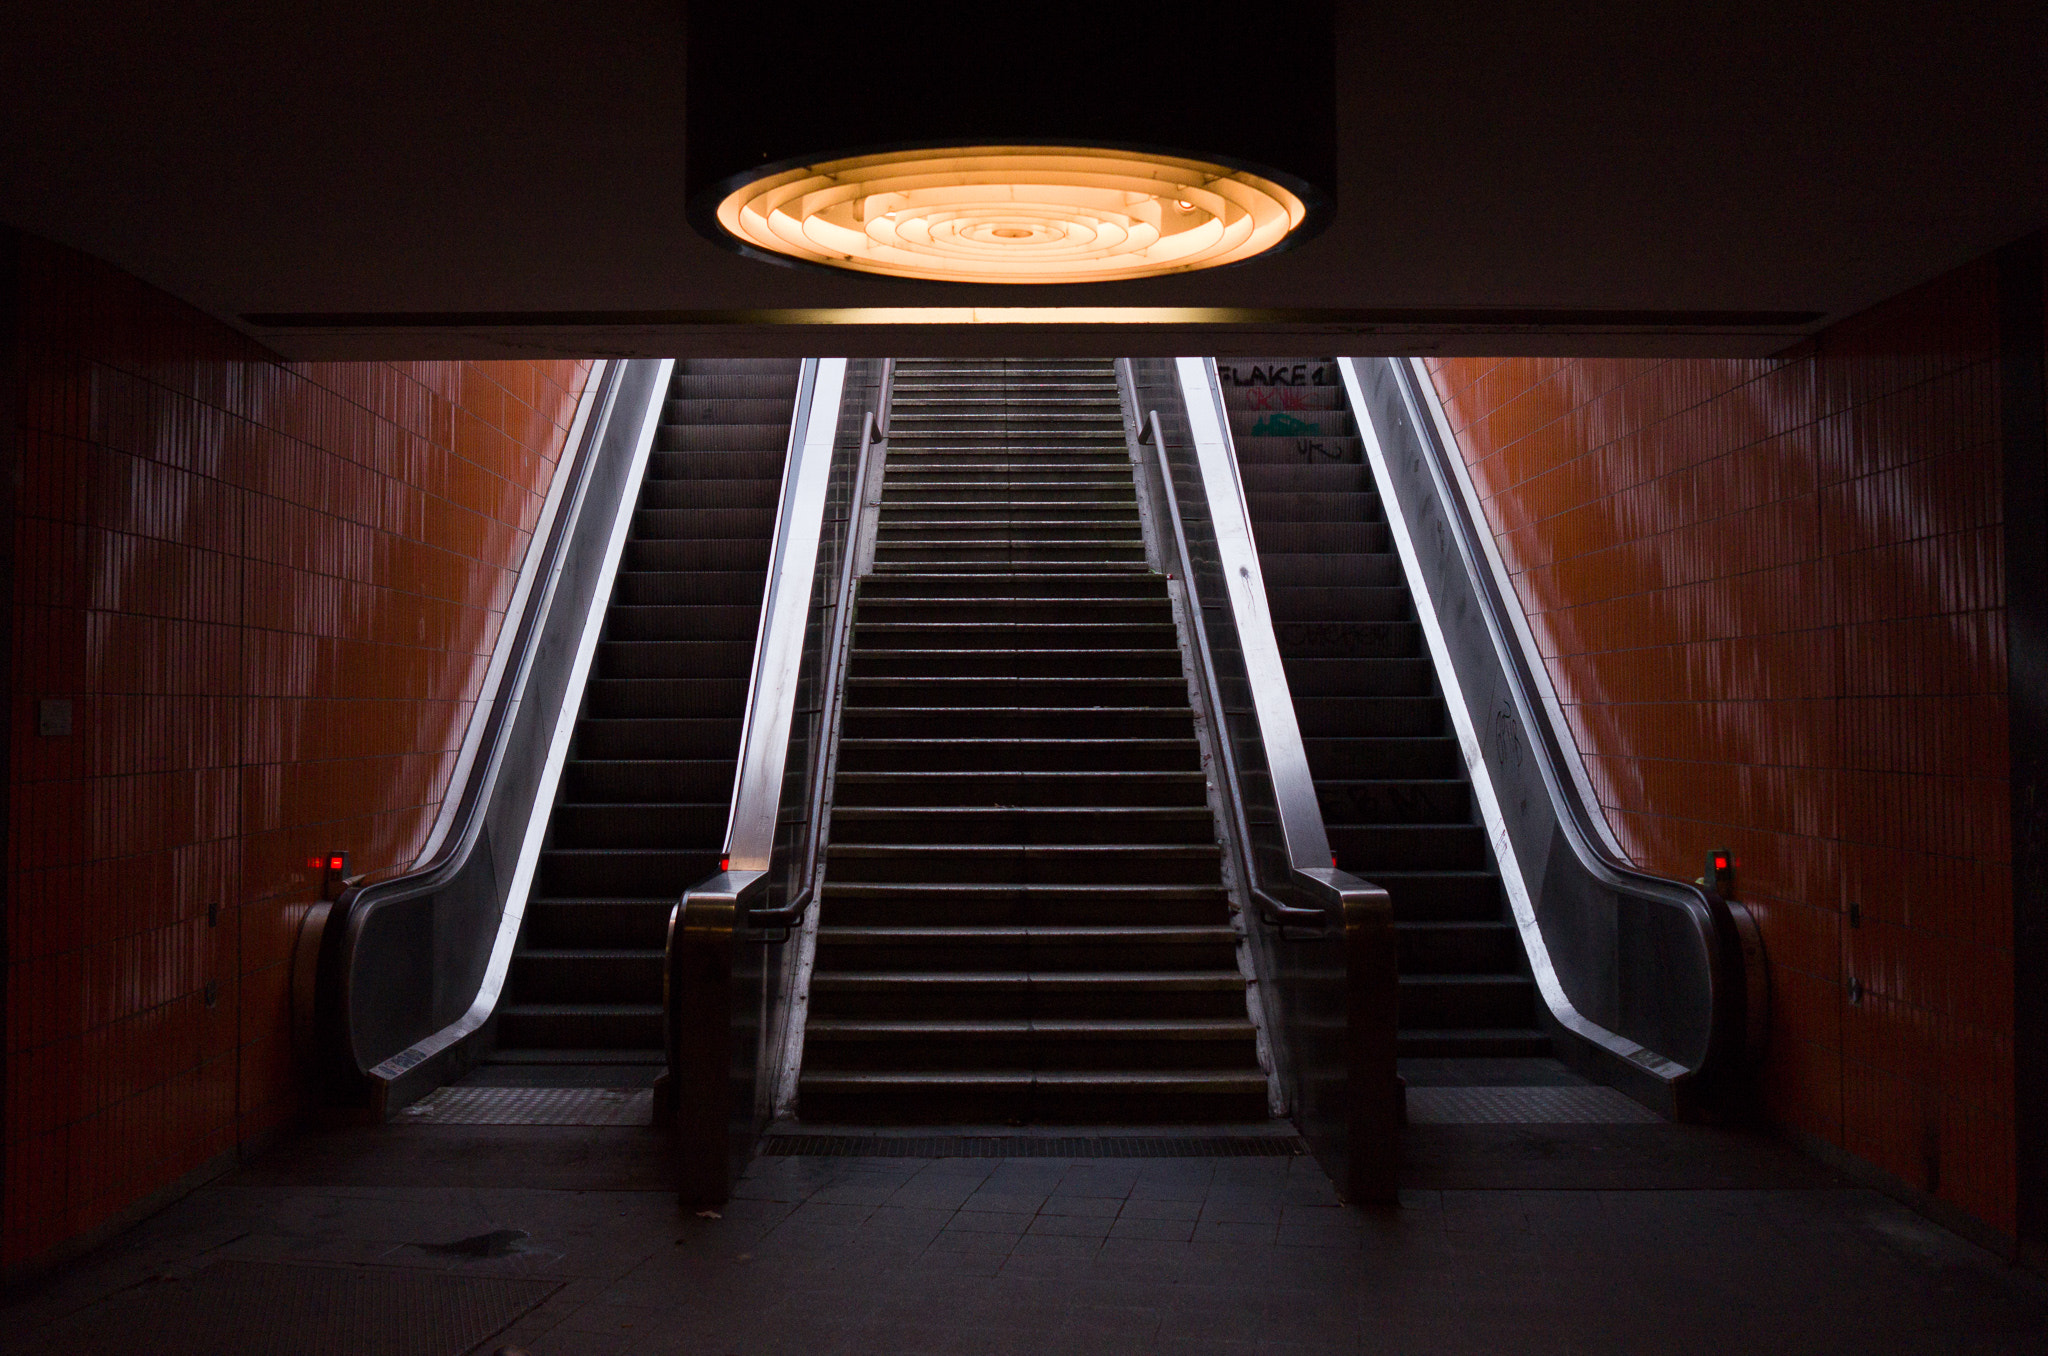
x: 936, y: 149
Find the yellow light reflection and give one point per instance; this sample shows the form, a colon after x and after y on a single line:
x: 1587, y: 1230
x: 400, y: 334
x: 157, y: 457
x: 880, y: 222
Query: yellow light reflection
x: 1013, y: 214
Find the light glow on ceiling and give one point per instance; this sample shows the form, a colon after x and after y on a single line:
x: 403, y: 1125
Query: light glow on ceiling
x: 1013, y: 214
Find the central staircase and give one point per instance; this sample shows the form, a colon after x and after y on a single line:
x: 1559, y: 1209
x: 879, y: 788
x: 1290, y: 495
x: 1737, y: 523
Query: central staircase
x: 1023, y: 916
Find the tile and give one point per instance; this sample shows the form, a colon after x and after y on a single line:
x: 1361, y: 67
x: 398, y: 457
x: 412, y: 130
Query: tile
x: 1166, y: 1230
x: 1138, y: 1208
x: 989, y: 1221
x: 1070, y: 1226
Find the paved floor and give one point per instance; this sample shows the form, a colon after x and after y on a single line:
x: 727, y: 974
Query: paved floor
x: 1509, y: 1238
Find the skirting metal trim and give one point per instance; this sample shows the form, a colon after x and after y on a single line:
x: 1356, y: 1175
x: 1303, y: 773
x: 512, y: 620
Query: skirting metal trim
x: 533, y: 1106
x: 1029, y: 1146
x: 281, y: 1309
x: 1526, y: 1106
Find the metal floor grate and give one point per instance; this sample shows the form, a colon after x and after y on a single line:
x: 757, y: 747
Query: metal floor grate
x: 1032, y: 1146
x: 533, y: 1106
x: 282, y: 1309
x: 1526, y: 1106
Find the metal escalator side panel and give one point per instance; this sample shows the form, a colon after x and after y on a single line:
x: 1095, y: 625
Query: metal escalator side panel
x: 732, y: 994
x: 1294, y: 791
x: 1629, y: 965
x: 420, y: 962
x: 1326, y: 973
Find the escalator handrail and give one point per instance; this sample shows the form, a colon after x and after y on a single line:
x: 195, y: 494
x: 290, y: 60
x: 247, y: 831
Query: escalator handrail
x: 1714, y: 921
x: 729, y: 899
x: 1294, y: 790
x: 778, y: 640
x: 1272, y: 909
x: 1339, y: 895
x: 328, y: 954
x: 873, y: 432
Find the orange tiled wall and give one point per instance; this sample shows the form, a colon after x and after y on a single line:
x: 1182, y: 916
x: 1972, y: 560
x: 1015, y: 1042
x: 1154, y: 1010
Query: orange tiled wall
x: 1770, y: 597
x: 269, y: 591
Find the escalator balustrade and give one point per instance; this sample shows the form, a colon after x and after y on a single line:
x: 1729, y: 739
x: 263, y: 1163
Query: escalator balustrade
x: 640, y: 812
x: 1391, y: 781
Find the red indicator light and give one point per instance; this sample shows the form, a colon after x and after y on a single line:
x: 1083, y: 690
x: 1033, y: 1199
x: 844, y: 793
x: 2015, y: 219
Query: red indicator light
x: 334, y: 873
x: 725, y: 863
x: 1720, y: 876
x: 1333, y: 861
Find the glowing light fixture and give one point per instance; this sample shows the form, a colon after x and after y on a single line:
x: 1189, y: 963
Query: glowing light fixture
x: 1013, y: 214
x: 1068, y: 144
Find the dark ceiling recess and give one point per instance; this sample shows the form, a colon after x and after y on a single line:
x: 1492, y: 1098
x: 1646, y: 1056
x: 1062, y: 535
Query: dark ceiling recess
x: 381, y: 179
x: 1165, y: 79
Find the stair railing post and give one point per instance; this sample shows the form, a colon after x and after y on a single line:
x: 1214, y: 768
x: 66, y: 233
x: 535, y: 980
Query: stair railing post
x: 1374, y: 1112
x: 697, y: 1002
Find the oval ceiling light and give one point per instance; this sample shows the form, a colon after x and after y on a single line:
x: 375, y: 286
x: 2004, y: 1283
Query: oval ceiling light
x: 1013, y: 214
x: 1085, y: 143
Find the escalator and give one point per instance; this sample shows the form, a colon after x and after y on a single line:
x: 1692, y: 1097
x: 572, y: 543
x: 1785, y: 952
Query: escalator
x: 642, y: 801
x: 1389, y: 777
x: 978, y: 860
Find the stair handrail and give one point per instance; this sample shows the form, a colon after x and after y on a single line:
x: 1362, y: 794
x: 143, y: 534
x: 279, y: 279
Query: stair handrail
x: 1725, y: 930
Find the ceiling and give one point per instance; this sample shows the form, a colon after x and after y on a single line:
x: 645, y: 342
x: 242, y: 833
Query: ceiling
x: 385, y: 180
